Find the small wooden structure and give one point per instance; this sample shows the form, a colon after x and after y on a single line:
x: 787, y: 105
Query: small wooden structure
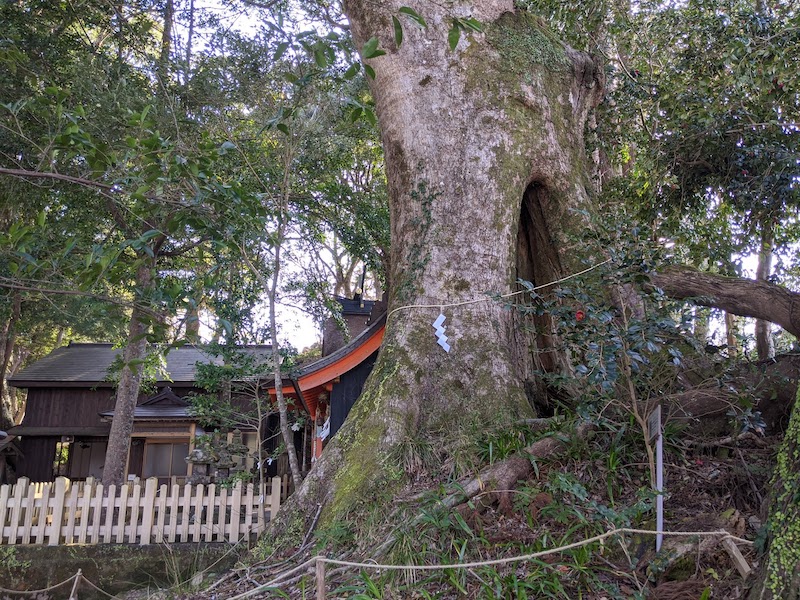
x: 327, y: 388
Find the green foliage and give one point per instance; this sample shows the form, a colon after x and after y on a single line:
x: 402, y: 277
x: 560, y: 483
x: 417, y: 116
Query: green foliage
x: 631, y: 333
x: 784, y: 526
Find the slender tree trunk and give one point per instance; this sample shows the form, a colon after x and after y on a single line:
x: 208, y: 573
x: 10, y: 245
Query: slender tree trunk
x: 280, y: 236
x: 283, y: 411
x: 8, y: 403
x: 764, y: 345
x: 162, y: 67
x: 730, y: 334
x: 779, y: 577
x: 119, y: 438
x: 469, y: 137
x: 701, y: 324
x: 189, y: 40
x: 272, y: 292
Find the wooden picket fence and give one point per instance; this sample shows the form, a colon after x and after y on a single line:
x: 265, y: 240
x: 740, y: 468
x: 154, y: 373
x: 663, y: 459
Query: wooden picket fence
x: 66, y: 512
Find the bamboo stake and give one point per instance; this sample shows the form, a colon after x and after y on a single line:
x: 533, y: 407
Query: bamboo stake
x: 320, y: 580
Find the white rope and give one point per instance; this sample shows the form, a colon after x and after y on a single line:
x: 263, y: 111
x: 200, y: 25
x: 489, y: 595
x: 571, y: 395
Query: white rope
x: 500, y: 561
x: 42, y: 591
x: 503, y: 296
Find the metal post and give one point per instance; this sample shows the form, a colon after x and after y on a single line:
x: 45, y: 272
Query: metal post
x: 659, y: 488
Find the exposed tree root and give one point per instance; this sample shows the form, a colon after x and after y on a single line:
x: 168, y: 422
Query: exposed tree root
x: 748, y: 436
x: 495, y: 481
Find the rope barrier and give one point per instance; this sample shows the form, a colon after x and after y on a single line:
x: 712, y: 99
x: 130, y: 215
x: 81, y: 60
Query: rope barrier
x: 276, y: 581
x: 42, y: 591
x: 500, y: 561
x: 94, y: 587
x: 501, y: 296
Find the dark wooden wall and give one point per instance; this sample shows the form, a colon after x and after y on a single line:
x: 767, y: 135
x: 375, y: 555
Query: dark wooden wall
x: 62, y: 408
x: 39, y: 454
x: 67, y: 407
x: 347, y: 390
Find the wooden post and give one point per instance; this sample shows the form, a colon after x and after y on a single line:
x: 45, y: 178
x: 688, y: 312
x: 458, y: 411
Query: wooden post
x: 5, y: 490
x: 209, y: 520
x: 58, y: 511
x: 16, y: 508
x: 148, y: 508
x: 186, y: 511
x: 72, y: 513
x: 30, y: 508
x: 198, y: 511
x: 136, y: 502
x: 123, y: 509
x: 262, y: 506
x: 41, y: 523
x: 73, y: 595
x: 222, y: 533
x: 161, y: 504
x: 85, y: 508
x: 174, y: 503
x: 320, y: 580
x: 109, y: 500
x: 236, y: 513
x: 97, y: 513
x: 739, y: 561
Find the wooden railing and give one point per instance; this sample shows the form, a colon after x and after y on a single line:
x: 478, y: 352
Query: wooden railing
x: 66, y: 512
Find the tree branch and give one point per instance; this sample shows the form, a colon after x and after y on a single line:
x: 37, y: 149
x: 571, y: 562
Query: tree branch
x: 57, y: 176
x: 736, y: 295
x: 12, y: 285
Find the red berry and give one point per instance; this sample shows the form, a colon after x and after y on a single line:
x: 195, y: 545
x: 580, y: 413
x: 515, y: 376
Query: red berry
x: 580, y: 315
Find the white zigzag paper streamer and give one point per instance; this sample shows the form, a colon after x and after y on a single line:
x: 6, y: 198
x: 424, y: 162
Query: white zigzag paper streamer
x: 441, y: 338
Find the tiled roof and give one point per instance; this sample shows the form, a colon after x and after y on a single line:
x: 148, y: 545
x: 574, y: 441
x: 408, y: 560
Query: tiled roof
x: 352, y: 306
x: 355, y: 343
x: 156, y: 413
x: 87, y: 364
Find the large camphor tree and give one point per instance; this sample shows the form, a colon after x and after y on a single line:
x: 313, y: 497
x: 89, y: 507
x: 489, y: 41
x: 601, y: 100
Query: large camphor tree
x: 485, y: 162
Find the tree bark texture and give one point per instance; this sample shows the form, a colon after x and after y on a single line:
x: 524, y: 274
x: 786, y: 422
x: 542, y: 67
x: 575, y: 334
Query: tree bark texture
x: 485, y: 161
x: 743, y: 297
x: 779, y: 577
x: 8, y: 335
x: 764, y: 346
x: 119, y: 438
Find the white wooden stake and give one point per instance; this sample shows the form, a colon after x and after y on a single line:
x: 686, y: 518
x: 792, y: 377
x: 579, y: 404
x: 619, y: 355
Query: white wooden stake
x: 654, y: 430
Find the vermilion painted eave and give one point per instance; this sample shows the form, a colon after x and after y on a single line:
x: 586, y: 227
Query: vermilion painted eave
x: 341, y: 366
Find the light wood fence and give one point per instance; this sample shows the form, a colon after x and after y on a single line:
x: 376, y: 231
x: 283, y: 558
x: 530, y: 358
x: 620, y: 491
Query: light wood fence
x: 65, y: 512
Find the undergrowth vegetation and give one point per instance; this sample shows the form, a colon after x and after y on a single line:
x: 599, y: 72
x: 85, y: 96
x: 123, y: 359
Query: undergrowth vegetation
x: 632, y: 350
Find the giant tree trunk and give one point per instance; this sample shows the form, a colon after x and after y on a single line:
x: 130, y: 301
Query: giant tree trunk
x: 485, y: 159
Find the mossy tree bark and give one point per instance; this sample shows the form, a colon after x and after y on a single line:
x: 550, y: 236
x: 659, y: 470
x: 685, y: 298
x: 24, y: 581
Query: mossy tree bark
x: 779, y: 577
x: 735, y: 295
x: 485, y: 161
